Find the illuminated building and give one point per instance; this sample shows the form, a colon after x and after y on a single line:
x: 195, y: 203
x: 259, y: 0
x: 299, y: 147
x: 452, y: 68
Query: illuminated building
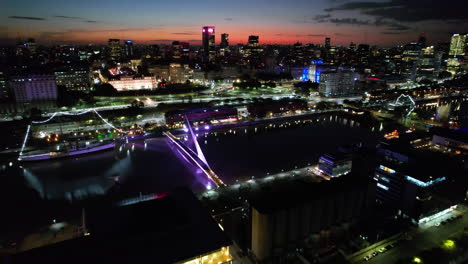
x: 208, y: 42
x: 339, y: 83
x: 30, y: 88
x: 352, y: 46
x: 253, y: 41
x: 224, y: 41
x: 176, y: 50
x: 450, y: 140
x: 160, y: 72
x: 252, y: 50
x: 179, y: 73
x: 185, y: 50
x: 335, y: 164
x: 182, y: 232
x: 128, y: 83
x: 458, y: 45
x: 115, y: 49
x: 219, y: 114
x: 128, y: 49
x: 283, y: 215
x: 74, y: 79
x: 405, y: 180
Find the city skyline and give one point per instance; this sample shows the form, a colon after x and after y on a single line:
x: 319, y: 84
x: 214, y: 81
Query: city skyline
x: 381, y: 23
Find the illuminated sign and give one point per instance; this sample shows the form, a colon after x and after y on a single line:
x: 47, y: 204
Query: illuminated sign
x: 434, y: 216
x: 386, y: 169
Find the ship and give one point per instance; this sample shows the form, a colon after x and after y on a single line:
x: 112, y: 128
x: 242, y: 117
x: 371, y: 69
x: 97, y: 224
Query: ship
x: 73, y: 151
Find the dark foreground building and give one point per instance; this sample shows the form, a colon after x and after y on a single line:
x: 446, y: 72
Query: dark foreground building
x: 284, y: 216
x: 173, y: 229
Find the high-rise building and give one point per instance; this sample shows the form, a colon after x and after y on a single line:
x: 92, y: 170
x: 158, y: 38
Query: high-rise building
x: 253, y: 41
x: 339, y: 83
x: 185, y: 50
x: 208, y: 41
x: 74, y: 79
x: 458, y: 44
x: 30, y: 88
x: 176, y: 50
x: 327, y: 43
x: 352, y: 46
x: 128, y: 49
x: 115, y: 49
x: 224, y: 40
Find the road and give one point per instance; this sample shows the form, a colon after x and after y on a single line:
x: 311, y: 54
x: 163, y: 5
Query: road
x: 422, y: 238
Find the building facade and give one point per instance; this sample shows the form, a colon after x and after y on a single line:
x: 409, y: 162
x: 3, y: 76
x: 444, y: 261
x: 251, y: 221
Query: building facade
x: 129, y: 83
x: 208, y: 42
x: 74, y: 79
x: 339, y: 83
x: 30, y: 88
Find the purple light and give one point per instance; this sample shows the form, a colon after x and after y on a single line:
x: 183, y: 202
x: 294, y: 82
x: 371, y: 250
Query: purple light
x: 203, y: 30
x: 196, y: 128
x: 207, y: 127
x: 186, y: 130
x: 210, y: 30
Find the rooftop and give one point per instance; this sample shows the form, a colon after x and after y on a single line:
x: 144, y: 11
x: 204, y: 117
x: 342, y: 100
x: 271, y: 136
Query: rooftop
x: 165, y: 230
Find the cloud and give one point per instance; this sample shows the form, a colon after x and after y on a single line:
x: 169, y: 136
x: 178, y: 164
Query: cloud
x: 228, y: 19
x: 409, y: 11
x: 90, y: 21
x: 162, y: 40
x: 68, y: 17
x: 341, y: 34
x: 316, y: 35
x: 349, y: 21
x: 27, y: 18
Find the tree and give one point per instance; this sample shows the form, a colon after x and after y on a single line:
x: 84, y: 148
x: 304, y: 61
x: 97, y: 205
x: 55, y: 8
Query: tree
x: 105, y: 89
x: 445, y: 75
x: 35, y: 113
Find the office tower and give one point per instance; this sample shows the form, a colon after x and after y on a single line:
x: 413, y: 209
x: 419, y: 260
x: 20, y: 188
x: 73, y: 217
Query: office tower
x: 253, y: 41
x: 115, y: 49
x: 128, y: 49
x: 457, y: 45
x: 327, y: 43
x: 422, y: 40
x: 224, y: 40
x: 176, y: 50
x: 352, y: 46
x: 30, y: 88
x: 74, y: 79
x: 338, y: 83
x: 185, y: 50
x: 208, y: 41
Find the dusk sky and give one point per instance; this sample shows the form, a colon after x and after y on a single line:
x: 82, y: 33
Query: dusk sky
x: 383, y: 23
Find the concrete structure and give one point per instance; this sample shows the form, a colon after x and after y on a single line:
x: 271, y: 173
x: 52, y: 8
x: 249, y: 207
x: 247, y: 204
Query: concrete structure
x: 284, y: 216
x: 339, y: 83
x: 127, y: 83
x: 29, y: 88
x: 4, y: 92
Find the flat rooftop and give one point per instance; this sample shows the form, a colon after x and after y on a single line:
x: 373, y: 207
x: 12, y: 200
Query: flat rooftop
x: 165, y: 230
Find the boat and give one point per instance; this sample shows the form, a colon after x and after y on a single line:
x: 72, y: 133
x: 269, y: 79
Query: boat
x: 69, y: 153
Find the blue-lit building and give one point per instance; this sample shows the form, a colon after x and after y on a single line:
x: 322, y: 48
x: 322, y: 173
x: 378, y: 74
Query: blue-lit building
x: 406, y: 182
x: 335, y: 164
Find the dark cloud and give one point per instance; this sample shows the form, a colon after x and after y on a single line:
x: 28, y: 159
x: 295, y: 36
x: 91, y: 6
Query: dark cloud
x: 316, y: 35
x: 90, y: 21
x: 410, y: 11
x: 349, y: 21
x: 228, y: 19
x: 68, y: 17
x: 27, y: 18
x: 162, y: 40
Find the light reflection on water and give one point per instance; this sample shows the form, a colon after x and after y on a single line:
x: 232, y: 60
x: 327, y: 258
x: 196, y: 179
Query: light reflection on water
x: 154, y: 166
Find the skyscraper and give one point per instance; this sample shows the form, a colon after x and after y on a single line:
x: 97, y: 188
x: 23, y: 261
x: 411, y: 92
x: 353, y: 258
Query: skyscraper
x: 457, y: 44
x: 224, y: 40
x: 115, y: 49
x: 327, y: 43
x: 253, y: 41
x: 208, y: 41
x: 128, y: 48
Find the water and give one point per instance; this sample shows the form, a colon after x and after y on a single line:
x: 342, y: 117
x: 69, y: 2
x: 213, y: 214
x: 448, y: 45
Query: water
x: 157, y: 166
